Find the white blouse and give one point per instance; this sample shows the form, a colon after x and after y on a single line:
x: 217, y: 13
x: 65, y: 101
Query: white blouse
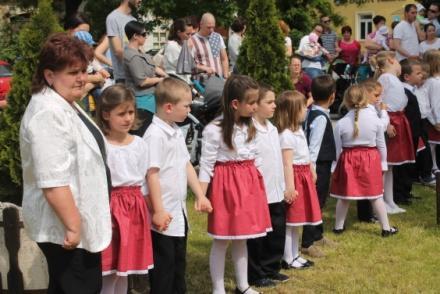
x: 214, y: 149
x: 128, y: 164
x: 393, y: 92
x: 371, y: 133
x: 298, y: 143
x: 268, y: 144
x: 423, y: 100
x: 57, y: 149
x: 167, y: 151
x: 433, y: 90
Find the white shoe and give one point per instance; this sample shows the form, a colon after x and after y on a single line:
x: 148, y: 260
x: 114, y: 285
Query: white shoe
x: 399, y: 209
x: 390, y: 209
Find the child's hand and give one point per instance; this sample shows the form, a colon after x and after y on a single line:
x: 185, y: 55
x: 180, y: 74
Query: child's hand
x: 161, y: 220
x: 437, y: 127
x: 71, y: 239
x: 391, y: 131
x: 314, y: 176
x: 383, y: 106
x: 203, y: 204
x: 290, y: 195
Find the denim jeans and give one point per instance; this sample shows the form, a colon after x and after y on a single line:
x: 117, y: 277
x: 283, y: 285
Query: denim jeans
x: 313, y: 72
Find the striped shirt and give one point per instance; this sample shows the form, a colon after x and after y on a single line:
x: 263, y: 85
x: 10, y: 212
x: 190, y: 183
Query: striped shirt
x: 328, y: 41
x: 203, y: 53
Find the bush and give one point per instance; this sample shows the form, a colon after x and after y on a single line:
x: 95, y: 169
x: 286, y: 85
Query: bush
x: 30, y: 39
x: 262, y: 53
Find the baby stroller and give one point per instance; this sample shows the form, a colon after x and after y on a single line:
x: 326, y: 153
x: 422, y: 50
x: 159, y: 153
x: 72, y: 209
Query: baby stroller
x: 345, y: 76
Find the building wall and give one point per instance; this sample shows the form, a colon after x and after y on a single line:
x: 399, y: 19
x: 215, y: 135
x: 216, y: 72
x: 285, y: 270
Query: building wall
x: 357, y: 15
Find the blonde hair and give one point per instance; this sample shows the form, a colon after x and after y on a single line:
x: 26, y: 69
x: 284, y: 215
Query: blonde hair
x: 380, y: 62
x: 371, y: 85
x: 170, y: 90
x: 287, y: 113
x: 432, y: 57
x: 355, y: 98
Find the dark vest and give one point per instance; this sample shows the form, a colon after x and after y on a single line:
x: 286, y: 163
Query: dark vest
x: 412, y: 113
x: 327, y: 152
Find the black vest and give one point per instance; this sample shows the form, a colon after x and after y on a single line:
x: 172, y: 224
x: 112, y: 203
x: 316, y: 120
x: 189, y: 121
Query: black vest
x: 327, y: 151
x: 412, y: 113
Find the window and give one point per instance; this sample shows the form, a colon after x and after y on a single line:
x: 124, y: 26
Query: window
x: 364, y: 24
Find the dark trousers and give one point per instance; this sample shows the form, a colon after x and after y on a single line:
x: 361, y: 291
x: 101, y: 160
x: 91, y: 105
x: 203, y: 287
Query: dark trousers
x: 364, y: 210
x: 265, y: 253
x: 168, y: 274
x: 72, y: 271
x: 323, y: 173
x: 424, y: 162
x: 402, y: 181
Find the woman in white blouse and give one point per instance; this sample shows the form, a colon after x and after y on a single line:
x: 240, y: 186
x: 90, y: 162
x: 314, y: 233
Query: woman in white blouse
x: 431, y: 42
x: 65, y: 179
x: 180, y: 31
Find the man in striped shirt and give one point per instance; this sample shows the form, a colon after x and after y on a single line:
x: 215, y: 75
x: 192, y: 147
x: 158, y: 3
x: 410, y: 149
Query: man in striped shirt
x: 329, y: 39
x: 209, y: 50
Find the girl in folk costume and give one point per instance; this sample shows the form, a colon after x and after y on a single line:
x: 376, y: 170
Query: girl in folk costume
x: 300, y: 195
x: 237, y: 193
x: 361, y: 157
x: 399, y: 140
x: 130, y: 251
x: 432, y: 84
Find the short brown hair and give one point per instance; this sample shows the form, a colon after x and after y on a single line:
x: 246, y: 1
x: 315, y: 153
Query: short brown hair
x: 263, y: 89
x: 323, y: 87
x: 289, y: 105
x: 169, y: 90
x: 407, y: 67
x: 432, y: 57
x: 59, y: 52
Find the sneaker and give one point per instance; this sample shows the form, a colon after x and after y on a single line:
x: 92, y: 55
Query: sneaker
x: 279, y: 277
x: 390, y: 232
x: 313, y: 251
x: 263, y: 283
x: 326, y: 242
x: 428, y: 181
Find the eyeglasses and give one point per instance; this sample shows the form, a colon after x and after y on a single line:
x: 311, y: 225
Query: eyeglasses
x: 432, y: 11
x: 327, y: 21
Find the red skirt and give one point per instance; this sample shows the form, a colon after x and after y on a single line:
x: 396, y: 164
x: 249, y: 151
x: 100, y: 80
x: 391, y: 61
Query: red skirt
x: 400, y: 147
x: 304, y: 210
x: 358, y: 174
x: 433, y: 135
x: 130, y: 251
x: 238, y: 198
x: 420, y: 145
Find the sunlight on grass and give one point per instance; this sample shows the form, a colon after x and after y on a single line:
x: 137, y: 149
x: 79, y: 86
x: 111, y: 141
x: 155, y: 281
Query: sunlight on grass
x: 363, y: 262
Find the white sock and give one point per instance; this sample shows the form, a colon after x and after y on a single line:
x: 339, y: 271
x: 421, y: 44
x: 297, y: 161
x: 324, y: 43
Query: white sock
x: 109, y: 284
x: 288, y: 257
x: 121, y: 286
x: 240, y: 260
x: 434, y: 157
x: 341, y: 213
x: 388, y: 194
x: 217, y: 265
x: 381, y: 213
x: 295, y: 242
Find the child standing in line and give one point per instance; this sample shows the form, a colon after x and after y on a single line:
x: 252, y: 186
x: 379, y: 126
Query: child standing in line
x: 130, y: 250
x: 432, y: 57
x: 265, y: 253
x: 169, y: 173
x: 301, y: 196
x: 237, y: 192
x: 319, y: 133
x: 399, y: 143
x: 361, y: 158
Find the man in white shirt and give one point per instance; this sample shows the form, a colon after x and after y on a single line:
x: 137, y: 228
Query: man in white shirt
x: 407, y: 34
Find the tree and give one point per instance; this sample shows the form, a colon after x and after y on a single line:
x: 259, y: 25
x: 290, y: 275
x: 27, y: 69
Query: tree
x: 262, y: 53
x: 31, y: 37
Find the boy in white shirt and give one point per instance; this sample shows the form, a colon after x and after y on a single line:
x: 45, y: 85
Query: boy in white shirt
x: 169, y: 173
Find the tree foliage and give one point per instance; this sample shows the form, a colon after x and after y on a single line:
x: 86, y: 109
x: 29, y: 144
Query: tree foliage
x: 30, y: 39
x: 262, y: 53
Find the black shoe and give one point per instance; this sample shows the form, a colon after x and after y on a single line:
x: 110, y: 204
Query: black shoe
x: 237, y: 291
x: 286, y: 265
x: 339, y: 231
x: 279, y: 277
x: 263, y: 283
x: 390, y: 232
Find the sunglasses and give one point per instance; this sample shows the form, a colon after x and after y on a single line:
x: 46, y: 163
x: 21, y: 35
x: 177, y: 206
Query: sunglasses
x: 144, y: 34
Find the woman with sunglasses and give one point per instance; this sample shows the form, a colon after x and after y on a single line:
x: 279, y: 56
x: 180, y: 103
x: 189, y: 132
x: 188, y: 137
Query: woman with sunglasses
x: 141, y: 74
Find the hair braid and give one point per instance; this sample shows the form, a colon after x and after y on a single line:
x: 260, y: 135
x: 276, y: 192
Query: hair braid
x: 356, y: 121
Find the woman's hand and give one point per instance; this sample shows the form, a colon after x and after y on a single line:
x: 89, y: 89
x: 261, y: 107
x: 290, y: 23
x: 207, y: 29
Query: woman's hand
x: 161, y: 220
x: 391, y: 131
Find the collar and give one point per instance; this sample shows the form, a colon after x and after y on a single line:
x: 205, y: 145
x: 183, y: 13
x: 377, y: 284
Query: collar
x: 57, y: 99
x: 269, y: 127
x: 409, y: 87
x: 317, y: 107
x: 171, y: 130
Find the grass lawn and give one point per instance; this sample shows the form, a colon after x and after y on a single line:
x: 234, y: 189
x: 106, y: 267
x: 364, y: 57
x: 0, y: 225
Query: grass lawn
x: 363, y: 262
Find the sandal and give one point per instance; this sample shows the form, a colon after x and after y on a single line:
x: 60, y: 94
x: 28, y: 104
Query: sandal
x: 304, y: 265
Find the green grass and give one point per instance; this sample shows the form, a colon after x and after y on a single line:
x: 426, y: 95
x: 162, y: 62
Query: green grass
x: 363, y: 262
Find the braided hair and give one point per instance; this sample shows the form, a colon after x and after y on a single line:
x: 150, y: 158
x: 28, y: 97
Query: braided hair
x: 355, y: 98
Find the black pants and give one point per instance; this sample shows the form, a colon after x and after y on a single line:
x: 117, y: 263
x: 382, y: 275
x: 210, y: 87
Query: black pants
x: 424, y: 162
x: 402, y: 181
x: 323, y: 173
x: 364, y: 210
x: 168, y: 274
x: 72, y: 271
x: 265, y: 253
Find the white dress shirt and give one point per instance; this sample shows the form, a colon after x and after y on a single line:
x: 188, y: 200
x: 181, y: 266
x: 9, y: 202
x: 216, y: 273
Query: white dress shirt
x: 317, y: 130
x: 371, y: 133
x: 57, y: 149
x: 214, y: 149
x: 297, y: 142
x: 422, y: 97
x: 383, y: 116
x: 433, y: 91
x: 128, y: 164
x: 167, y: 151
x: 393, y: 92
x: 268, y: 144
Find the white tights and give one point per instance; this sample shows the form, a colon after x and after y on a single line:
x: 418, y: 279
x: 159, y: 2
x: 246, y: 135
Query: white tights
x: 217, y: 265
x: 291, y: 247
x: 113, y: 284
x: 377, y: 204
x: 388, y: 195
x: 434, y: 157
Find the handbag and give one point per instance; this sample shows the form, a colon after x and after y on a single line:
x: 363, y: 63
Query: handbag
x: 185, y: 62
